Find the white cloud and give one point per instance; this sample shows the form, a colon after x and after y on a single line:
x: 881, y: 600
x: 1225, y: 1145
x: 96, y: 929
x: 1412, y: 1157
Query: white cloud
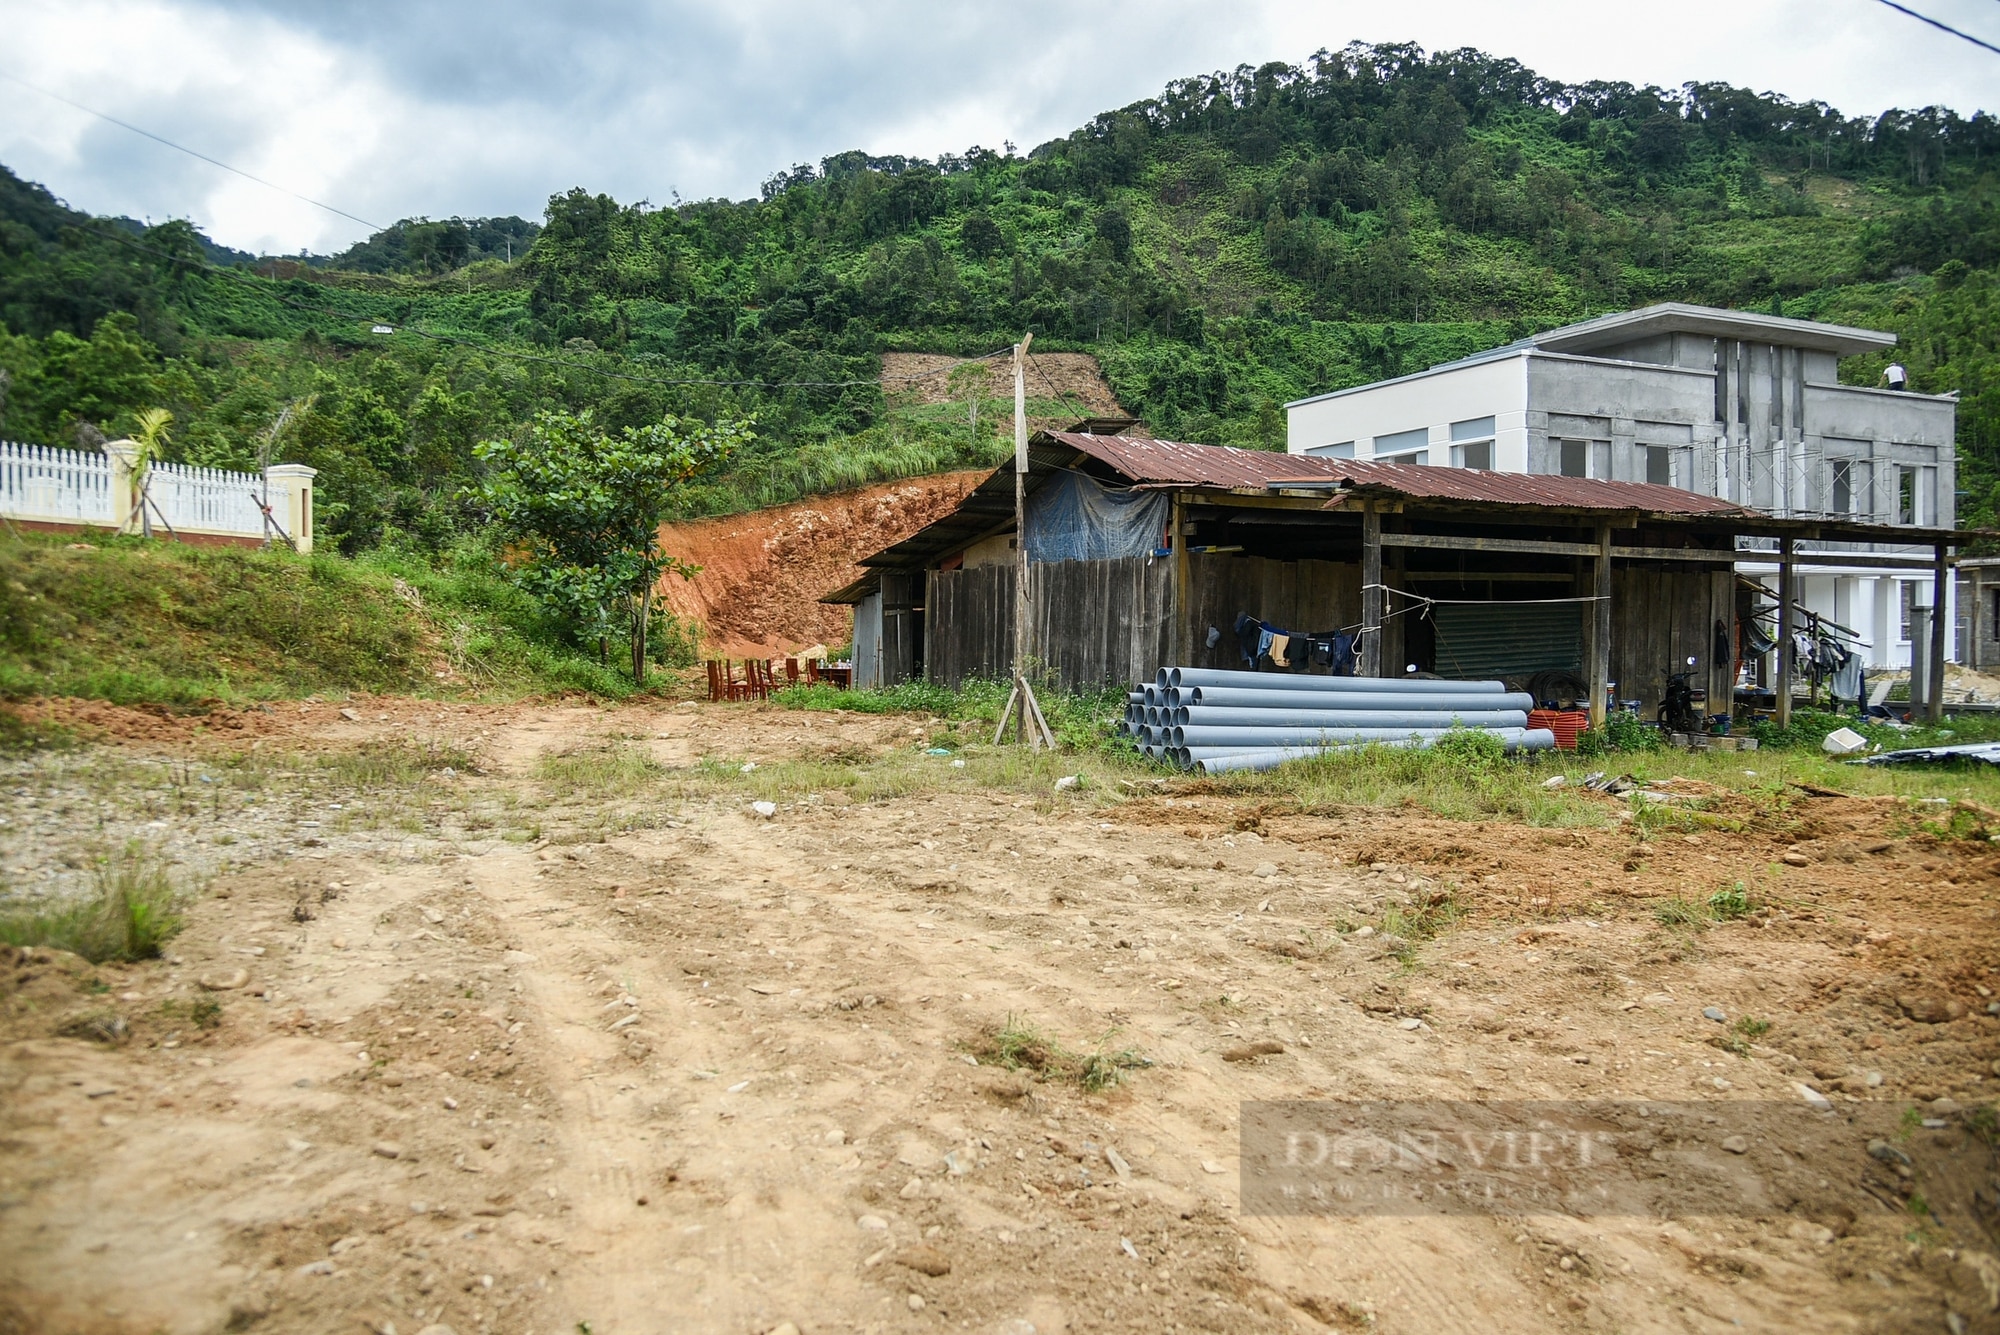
x: 395, y: 109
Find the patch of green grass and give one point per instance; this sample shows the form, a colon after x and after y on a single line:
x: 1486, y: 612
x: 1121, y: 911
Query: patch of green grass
x: 133, y: 912
x: 1681, y: 912
x: 1081, y: 721
x: 20, y: 737
x: 609, y: 769
x: 393, y: 762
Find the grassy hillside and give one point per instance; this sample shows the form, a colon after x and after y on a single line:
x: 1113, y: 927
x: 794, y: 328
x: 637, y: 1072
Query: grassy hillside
x: 1241, y: 239
x: 130, y: 621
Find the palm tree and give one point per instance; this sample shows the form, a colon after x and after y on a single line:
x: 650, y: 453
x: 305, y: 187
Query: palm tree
x: 154, y: 431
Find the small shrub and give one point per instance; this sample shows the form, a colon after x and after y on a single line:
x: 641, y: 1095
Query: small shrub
x: 1621, y: 732
x: 1730, y: 902
x: 1469, y: 749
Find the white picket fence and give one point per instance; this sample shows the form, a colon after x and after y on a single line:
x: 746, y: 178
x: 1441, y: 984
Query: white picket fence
x: 73, y: 487
x: 55, y: 486
x: 206, y: 500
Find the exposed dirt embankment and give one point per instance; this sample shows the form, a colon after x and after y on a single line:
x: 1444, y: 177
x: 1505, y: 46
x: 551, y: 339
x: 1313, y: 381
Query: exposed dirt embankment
x: 1073, y: 378
x: 764, y: 573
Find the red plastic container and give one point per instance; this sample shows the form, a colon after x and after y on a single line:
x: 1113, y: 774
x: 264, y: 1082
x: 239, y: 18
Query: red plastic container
x: 1564, y: 723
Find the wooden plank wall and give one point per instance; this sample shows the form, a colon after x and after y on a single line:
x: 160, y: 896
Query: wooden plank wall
x: 1661, y: 617
x: 899, y: 630
x: 1104, y: 623
x: 1111, y: 623
x: 1304, y: 596
x: 971, y: 624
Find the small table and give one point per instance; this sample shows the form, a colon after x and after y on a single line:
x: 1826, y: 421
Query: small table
x: 840, y: 678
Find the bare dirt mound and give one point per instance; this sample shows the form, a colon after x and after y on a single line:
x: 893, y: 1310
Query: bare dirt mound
x: 1075, y: 377
x: 763, y: 573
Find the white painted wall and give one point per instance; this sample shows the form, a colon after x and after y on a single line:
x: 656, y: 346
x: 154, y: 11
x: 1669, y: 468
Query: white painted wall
x: 1431, y: 400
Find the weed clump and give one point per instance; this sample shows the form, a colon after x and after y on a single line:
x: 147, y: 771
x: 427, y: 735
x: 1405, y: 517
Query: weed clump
x: 132, y: 913
x: 1019, y: 1046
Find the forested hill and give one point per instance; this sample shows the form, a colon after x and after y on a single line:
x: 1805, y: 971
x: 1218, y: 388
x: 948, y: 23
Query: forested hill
x: 1240, y: 240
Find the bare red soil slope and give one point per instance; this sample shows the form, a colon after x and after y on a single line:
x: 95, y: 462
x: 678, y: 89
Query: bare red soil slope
x: 763, y: 573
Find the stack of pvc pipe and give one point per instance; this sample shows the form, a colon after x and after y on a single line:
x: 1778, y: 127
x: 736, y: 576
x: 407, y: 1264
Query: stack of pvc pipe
x: 1216, y: 720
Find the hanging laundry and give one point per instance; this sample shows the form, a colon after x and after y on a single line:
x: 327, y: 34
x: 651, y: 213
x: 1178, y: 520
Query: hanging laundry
x: 1849, y: 679
x: 1756, y: 642
x: 1279, y: 645
x: 1248, y: 630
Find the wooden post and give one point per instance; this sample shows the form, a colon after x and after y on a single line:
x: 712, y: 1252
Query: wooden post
x: 1600, y: 629
x: 1784, y: 690
x: 1940, y: 623
x: 1371, y: 590
x: 1023, y: 604
x: 1978, y: 592
x: 1184, y: 634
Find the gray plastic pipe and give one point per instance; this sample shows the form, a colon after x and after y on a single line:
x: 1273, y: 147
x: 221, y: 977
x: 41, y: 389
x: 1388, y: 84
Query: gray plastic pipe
x: 1530, y: 739
x: 1305, y: 719
x: 1510, y: 738
x: 1388, y: 697
x: 1258, y: 739
x: 1285, y: 681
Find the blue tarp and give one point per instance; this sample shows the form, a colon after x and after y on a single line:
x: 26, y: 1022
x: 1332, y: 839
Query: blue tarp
x: 1073, y: 518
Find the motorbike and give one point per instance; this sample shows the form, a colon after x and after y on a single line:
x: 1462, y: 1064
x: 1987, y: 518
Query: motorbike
x: 1681, y: 706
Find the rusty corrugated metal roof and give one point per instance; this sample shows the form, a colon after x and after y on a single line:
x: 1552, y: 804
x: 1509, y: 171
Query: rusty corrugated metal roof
x: 1477, y: 486
x: 1170, y: 463
x: 1167, y: 462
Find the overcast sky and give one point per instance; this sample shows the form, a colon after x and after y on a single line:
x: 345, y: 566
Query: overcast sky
x: 432, y: 107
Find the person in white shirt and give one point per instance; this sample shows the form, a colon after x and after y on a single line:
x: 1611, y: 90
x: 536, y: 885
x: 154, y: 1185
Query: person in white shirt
x: 1898, y: 378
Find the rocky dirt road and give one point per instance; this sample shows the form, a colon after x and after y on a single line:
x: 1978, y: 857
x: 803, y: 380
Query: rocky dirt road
x: 581, y: 1042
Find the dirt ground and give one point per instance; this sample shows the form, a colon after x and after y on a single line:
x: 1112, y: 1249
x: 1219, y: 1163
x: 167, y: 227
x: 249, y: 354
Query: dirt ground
x: 555, y: 1032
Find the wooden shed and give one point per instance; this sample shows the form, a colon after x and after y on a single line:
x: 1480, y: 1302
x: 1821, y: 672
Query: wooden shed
x: 1145, y: 553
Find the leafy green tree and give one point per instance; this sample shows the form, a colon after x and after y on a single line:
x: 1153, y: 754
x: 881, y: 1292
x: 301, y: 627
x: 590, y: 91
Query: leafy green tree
x: 584, y: 508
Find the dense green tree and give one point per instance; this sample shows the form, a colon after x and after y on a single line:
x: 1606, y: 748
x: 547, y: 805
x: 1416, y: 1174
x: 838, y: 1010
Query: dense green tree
x: 583, y: 508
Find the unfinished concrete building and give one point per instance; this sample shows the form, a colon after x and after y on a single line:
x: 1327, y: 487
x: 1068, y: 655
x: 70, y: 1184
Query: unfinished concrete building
x: 1743, y: 407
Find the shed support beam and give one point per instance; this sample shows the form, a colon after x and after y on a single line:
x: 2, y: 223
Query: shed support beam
x: 1785, y: 652
x: 1371, y: 592
x: 1940, y: 624
x: 1183, y: 639
x: 1600, y: 630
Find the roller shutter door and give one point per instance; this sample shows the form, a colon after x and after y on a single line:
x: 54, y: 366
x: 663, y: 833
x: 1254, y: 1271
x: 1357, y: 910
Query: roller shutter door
x: 1481, y: 640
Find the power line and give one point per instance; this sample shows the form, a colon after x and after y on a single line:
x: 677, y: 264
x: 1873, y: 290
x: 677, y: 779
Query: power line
x: 1942, y: 27
x: 182, y: 148
x: 664, y: 382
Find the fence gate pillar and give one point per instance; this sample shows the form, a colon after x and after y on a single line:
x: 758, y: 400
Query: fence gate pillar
x: 292, y: 502
x: 124, y: 455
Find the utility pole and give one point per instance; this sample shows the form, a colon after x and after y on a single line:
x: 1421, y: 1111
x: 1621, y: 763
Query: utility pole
x: 1022, y: 709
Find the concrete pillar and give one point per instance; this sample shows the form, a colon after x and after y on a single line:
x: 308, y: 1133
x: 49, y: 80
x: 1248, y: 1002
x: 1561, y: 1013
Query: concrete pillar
x: 292, y: 502
x: 124, y: 456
